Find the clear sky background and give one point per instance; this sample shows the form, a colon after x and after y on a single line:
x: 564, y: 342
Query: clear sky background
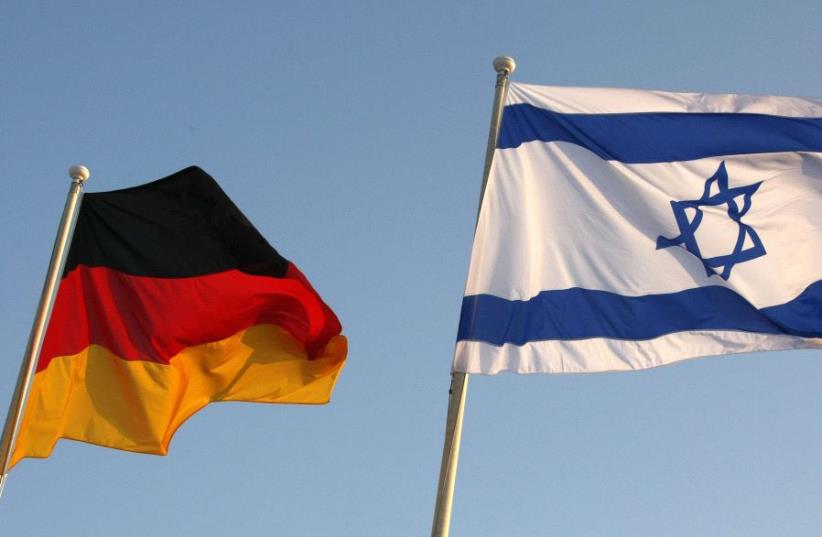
x: 353, y: 136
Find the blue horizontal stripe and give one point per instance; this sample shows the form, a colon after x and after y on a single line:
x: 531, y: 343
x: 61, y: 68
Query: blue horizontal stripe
x: 661, y: 137
x: 580, y: 314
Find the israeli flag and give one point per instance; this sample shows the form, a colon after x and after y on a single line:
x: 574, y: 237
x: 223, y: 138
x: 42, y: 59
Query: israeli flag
x: 625, y: 229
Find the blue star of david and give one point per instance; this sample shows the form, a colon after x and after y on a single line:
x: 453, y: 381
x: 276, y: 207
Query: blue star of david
x: 723, y: 196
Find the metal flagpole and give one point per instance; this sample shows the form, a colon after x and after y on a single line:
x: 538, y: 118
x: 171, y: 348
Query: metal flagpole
x: 504, y: 66
x: 79, y: 175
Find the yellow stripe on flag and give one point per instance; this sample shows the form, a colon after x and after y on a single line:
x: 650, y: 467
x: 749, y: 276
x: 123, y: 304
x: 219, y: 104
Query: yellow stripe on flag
x: 97, y: 397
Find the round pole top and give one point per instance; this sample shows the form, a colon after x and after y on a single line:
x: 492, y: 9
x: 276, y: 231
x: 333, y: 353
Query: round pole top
x: 504, y: 65
x: 79, y: 173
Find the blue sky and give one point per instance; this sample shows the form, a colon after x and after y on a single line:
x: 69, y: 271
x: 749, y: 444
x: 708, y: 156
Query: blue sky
x: 353, y: 136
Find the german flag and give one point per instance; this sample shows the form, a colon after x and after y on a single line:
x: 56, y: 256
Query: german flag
x: 170, y: 300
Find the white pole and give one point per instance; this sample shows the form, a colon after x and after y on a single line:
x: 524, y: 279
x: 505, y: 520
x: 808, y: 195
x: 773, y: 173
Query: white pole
x: 504, y: 66
x: 79, y: 175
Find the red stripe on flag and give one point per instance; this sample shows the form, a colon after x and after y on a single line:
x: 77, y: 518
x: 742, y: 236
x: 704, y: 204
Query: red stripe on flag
x: 153, y: 319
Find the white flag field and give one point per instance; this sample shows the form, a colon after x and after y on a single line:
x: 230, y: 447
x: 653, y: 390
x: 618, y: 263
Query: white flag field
x: 627, y: 229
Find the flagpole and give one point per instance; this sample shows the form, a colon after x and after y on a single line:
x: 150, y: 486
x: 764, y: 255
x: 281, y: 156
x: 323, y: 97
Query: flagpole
x: 504, y: 66
x: 79, y: 175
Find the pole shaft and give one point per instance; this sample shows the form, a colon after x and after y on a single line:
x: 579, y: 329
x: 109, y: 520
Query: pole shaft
x: 459, y: 381
x: 41, y: 319
x: 450, y: 455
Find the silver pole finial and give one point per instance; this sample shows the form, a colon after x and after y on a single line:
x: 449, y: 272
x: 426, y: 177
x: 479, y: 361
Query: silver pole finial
x: 504, y: 65
x: 79, y: 173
